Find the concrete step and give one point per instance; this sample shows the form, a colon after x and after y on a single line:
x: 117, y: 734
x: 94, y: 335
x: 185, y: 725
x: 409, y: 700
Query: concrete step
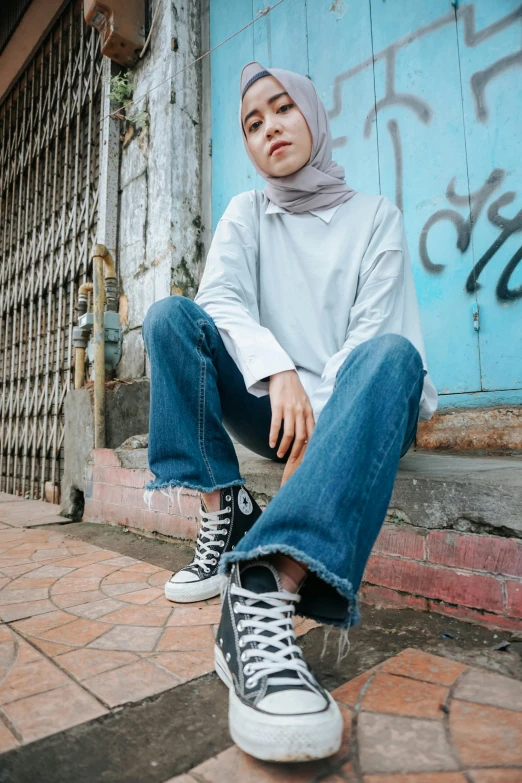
x: 451, y: 543
x: 478, y: 494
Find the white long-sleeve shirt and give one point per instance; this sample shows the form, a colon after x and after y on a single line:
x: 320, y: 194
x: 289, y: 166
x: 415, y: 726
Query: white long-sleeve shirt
x: 301, y: 291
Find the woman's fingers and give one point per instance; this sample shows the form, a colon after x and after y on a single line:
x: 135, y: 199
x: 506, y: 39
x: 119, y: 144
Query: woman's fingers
x: 310, y: 425
x: 277, y: 417
x: 289, y: 431
x: 300, y: 437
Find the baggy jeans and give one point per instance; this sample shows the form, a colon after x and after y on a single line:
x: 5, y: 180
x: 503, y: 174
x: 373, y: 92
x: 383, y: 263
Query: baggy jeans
x: 330, y: 511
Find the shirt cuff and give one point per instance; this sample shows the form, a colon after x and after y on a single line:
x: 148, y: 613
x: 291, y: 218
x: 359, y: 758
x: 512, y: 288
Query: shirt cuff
x: 257, y: 370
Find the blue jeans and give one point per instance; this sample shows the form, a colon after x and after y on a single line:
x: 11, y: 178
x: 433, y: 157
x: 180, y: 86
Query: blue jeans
x: 330, y: 511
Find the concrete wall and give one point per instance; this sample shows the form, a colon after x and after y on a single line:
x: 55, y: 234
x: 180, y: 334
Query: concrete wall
x: 161, y: 249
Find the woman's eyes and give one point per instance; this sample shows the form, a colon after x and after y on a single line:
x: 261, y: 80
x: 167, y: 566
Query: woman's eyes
x: 283, y: 109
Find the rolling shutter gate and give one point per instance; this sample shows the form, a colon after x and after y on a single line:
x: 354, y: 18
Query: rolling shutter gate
x: 49, y: 166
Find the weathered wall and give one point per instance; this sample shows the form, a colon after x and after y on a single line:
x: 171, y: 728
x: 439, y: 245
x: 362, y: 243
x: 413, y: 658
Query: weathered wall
x: 160, y: 246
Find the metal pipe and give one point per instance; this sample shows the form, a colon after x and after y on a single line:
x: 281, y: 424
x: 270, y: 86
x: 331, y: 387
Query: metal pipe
x: 81, y: 336
x: 99, y: 346
x: 79, y: 367
x: 111, y: 281
x: 84, y: 289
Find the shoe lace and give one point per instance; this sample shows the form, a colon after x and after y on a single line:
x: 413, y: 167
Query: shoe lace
x: 207, y: 547
x: 271, y: 631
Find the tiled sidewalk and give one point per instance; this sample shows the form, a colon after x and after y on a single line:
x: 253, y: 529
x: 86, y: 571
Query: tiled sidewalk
x: 416, y: 718
x: 86, y: 630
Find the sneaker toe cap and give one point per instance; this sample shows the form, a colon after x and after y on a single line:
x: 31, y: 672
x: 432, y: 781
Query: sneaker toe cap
x: 293, y: 702
x: 183, y: 577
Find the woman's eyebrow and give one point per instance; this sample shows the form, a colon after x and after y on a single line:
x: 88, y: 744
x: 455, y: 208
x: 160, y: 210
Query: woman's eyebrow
x: 270, y: 100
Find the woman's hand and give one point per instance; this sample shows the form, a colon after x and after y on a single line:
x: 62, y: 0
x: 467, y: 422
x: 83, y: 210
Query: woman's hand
x: 291, y: 467
x: 290, y: 404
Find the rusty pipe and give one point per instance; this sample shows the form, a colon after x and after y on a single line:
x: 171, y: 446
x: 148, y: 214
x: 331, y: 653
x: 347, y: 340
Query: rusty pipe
x: 98, y: 258
x: 79, y: 362
x: 79, y: 367
x: 111, y: 281
x: 83, y: 291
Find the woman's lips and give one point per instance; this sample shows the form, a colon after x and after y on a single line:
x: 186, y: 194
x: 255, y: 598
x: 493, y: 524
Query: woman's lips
x: 280, y: 149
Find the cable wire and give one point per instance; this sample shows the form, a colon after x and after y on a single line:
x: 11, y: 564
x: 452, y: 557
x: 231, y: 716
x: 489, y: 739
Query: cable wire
x: 260, y: 14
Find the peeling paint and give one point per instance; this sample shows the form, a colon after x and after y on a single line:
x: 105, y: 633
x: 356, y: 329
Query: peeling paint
x: 165, y: 254
x: 339, y: 8
x: 123, y: 309
x: 475, y: 429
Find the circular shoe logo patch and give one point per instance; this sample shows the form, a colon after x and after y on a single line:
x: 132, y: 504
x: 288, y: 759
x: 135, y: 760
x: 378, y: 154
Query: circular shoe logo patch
x: 244, y: 502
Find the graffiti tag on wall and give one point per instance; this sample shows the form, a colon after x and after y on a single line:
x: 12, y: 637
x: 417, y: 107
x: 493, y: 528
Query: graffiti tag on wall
x: 470, y: 204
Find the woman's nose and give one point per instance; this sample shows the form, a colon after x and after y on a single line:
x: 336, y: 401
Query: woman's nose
x: 271, y: 128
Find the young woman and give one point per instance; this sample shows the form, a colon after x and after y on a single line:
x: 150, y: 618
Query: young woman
x: 304, y: 343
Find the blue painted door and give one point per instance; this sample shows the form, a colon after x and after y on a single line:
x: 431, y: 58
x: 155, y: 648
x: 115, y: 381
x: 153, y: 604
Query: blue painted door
x: 425, y: 105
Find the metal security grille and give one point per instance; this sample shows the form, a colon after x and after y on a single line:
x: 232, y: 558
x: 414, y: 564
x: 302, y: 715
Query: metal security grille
x: 49, y: 161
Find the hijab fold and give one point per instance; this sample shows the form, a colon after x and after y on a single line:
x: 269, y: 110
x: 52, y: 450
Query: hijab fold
x: 320, y: 184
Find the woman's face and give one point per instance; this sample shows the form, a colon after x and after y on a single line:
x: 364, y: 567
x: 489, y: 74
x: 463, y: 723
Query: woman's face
x: 277, y: 134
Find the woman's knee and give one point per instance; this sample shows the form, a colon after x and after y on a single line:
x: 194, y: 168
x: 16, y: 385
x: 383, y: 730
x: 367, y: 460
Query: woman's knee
x: 167, y: 313
x: 395, y: 348
x: 385, y: 355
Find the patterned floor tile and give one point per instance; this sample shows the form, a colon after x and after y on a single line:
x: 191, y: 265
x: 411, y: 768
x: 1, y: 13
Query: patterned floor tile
x: 486, y: 736
x: 128, y: 637
x: 88, y: 663
x: 47, y: 713
x: 186, y: 665
x: 489, y: 688
x: 27, y: 609
x: 424, y: 666
x: 7, y: 740
x: 130, y: 683
x: 388, y: 693
x: 199, y: 637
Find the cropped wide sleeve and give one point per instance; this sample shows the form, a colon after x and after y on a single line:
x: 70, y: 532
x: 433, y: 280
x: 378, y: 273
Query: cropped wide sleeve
x: 229, y: 294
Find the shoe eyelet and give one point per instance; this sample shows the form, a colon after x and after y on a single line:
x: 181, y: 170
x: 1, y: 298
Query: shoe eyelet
x: 249, y: 683
x: 221, y: 544
x: 248, y: 668
x: 240, y: 628
x: 242, y: 643
x: 244, y: 656
x: 227, y: 657
x: 236, y: 607
x: 221, y: 642
x: 228, y: 497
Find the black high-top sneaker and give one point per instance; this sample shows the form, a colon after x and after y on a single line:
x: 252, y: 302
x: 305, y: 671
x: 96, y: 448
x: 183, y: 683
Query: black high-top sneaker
x: 219, y: 532
x: 277, y: 709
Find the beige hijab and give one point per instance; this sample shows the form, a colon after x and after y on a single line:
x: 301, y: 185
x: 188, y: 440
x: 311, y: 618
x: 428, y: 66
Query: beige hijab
x: 320, y: 184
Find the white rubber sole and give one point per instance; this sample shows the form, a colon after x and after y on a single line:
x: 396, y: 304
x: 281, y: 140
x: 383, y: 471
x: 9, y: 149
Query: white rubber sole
x: 280, y: 738
x: 185, y: 593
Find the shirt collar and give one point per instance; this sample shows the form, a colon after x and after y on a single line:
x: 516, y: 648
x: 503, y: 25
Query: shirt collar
x: 324, y: 214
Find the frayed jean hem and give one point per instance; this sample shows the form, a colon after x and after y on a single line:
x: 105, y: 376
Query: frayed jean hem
x: 342, y: 586
x: 156, y: 484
